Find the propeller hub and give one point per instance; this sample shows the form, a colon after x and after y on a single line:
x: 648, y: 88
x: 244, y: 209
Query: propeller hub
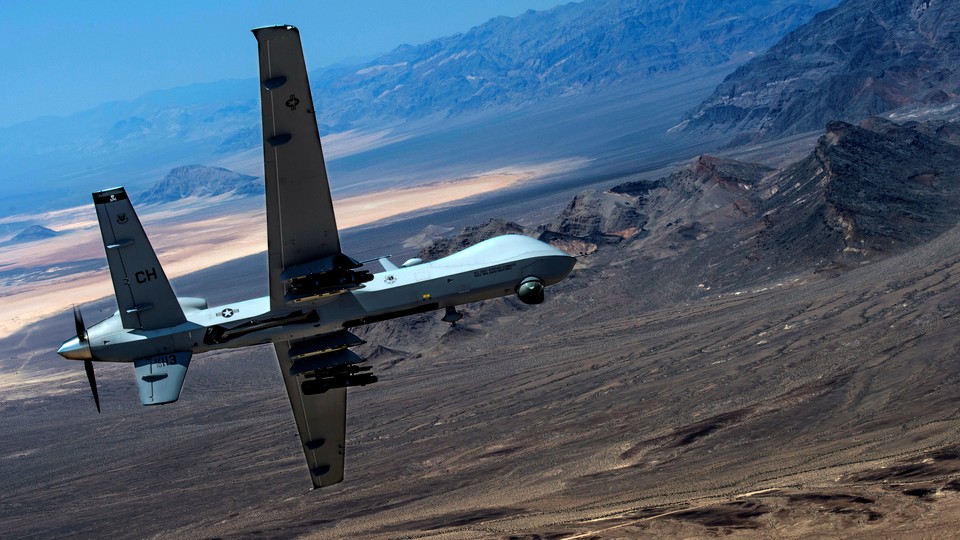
x: 74, y: 349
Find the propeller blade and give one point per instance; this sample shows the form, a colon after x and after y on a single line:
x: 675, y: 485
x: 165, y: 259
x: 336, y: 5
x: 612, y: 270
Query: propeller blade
x: 78, y: 323
x: 88, y: 367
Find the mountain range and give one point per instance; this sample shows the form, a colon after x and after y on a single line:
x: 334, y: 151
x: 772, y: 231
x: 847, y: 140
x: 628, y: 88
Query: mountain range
x: 852, y: 60
x: 862, y: 58
x: 592, y: 49
x: 577, y: 48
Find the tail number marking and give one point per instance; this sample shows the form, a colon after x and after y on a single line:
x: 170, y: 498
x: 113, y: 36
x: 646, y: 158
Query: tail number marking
x: 144, y: 276
x: 164, y: 360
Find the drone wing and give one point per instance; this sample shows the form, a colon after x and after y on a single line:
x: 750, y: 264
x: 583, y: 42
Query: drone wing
x: 322, y: 423
x: 306, y: 264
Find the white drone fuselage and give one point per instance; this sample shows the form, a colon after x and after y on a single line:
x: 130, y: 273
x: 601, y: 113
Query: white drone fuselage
x: 489, y: 269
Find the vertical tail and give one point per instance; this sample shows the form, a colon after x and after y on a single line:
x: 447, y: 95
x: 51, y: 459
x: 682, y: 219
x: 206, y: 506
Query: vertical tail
x: 144, y: 295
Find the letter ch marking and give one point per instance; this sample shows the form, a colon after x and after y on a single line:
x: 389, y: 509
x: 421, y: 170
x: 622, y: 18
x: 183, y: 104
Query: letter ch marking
x: 143, y: 276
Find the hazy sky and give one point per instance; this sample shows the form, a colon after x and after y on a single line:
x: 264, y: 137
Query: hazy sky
x: 66, y: 56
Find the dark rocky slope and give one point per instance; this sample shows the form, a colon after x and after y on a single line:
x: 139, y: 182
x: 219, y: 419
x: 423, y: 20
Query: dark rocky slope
x: 864, y: 192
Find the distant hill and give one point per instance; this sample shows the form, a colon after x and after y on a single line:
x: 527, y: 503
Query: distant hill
x: 862, y: 58
x: 200, y: 181
x: 32, y: 234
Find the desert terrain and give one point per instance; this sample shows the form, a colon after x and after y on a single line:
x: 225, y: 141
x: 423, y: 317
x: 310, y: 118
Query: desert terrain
x: 822, y: 401
x: 758, y: 342
x: 812, y: 408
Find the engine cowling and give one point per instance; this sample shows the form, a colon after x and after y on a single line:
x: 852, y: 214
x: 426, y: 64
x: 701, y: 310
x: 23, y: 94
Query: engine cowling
x: 530, y: 290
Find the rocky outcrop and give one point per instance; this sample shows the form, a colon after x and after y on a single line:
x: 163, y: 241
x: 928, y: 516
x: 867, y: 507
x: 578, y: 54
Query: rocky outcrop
x: 711, y: 193
x: 600, y: 216
x: 862, y: 58
x: 201, y: 181
x: 863, y: 191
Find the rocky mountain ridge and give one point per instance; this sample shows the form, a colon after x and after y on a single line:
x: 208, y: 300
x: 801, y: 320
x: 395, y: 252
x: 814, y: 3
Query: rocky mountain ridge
x: 860, y: 59
x: 864, y: 193
x: 873, y: 190
x: 718, y: 226
x: 576, y: 48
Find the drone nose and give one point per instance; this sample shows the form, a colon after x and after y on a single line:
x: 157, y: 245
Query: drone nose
x: 73, y: 349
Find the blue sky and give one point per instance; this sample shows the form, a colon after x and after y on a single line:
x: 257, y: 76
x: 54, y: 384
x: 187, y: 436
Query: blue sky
x: 60, y: 57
